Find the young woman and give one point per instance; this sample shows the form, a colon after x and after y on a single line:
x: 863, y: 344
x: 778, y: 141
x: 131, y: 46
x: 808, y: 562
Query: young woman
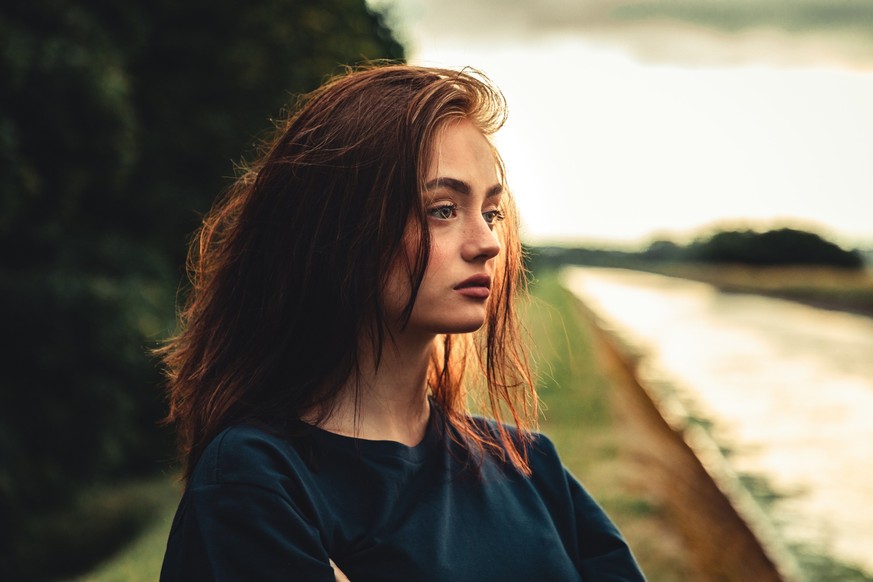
x: 351, y: 293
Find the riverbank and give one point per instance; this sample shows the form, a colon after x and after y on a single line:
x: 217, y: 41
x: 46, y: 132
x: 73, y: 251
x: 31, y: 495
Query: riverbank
x: 771, y: 396
x: 825, y: 287
x: 677, y: 463
x: 584, y: 417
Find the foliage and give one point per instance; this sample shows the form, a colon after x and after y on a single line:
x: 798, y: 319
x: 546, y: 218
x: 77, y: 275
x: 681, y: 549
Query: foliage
x: 141, y: 558
x: 545, y: 258
x: 784, y: 246
x: 118, y: 126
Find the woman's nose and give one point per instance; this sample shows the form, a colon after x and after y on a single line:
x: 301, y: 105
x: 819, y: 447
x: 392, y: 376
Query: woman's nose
x: 481, y: 242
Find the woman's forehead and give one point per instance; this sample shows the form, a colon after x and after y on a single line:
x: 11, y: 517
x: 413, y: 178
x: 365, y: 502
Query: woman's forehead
x: 461, y: 151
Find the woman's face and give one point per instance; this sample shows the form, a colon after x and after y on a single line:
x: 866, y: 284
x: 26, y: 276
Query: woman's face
x: 462, y: 200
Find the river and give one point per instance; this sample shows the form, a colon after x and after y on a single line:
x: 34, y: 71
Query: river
x: 786, y: 388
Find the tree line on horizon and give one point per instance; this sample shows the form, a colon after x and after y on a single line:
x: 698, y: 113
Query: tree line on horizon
x: 775, y: 247
x: 120, y: 122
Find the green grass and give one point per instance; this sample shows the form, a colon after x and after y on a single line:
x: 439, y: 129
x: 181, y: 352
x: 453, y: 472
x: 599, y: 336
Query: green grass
x: 62, y: 541
x: 141, y: 559
x: 577, y: 416
x: 574, y: 396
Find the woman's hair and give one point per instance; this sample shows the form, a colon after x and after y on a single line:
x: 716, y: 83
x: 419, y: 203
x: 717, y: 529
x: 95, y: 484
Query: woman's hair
x: 287, y: 269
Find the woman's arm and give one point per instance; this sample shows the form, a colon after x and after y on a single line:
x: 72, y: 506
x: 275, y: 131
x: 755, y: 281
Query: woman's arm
x: 243, y: 532
x: 603, y: 553
x: 340, y: 577
x: 589, y: 535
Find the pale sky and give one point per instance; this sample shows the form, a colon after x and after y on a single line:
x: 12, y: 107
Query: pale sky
x: 625, y: 130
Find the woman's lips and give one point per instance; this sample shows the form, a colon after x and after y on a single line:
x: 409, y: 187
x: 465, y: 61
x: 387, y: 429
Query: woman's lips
x: 476, y: 287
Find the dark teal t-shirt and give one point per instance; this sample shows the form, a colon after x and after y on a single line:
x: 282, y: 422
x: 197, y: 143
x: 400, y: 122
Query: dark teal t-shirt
x: 265, y: 505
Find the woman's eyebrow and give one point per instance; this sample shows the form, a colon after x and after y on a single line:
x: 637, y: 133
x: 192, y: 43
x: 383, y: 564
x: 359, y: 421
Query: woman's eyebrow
x: 460, y: 186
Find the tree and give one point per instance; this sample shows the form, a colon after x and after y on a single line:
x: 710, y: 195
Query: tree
x: 119, y: 123
x: 784, y: 246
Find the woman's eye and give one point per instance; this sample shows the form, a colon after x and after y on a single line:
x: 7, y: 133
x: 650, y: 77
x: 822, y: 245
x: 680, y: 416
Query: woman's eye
x: 493, y: 216
x: 444, y: 212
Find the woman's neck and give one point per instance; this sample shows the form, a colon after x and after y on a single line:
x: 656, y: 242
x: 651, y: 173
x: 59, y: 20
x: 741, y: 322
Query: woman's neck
x: 388, y: 401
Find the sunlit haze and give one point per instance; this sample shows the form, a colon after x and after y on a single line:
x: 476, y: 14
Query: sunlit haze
x: 624, y: 131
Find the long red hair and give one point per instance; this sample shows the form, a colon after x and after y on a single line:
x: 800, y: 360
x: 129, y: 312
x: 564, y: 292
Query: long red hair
x: 287, y: 269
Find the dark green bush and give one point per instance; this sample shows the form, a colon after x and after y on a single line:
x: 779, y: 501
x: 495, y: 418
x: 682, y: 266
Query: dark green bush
x: 119, y: 124
x: 784, y: 246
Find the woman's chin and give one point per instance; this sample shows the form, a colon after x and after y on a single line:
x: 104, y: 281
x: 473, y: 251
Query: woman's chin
x: 465, y: 326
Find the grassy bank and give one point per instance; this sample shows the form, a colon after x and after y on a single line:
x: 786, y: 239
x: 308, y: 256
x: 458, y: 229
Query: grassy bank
x: 577, y: 416
x: 827, y: 287
x: 140, y: 560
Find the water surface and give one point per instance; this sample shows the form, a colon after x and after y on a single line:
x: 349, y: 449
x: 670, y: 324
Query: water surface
x: 788, y: 389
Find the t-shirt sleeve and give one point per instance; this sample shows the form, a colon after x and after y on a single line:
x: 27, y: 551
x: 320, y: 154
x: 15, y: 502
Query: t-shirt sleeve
x: 240, y: 519
x: 603, y: 553
x: 242, y: 532
x: 600, y: 551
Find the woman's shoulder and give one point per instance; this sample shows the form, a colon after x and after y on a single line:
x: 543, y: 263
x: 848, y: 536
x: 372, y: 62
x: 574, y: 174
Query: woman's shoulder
x: 531, y: 440
x: 245, y: 454
x: 538, y: 448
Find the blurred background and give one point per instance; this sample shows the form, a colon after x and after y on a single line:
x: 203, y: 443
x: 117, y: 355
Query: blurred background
x: 632, y: 119
x: 727, y: 143
x: 674, y: 136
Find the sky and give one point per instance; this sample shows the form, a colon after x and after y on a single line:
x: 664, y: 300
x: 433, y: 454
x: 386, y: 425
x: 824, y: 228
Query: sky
x: 631, y: 121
